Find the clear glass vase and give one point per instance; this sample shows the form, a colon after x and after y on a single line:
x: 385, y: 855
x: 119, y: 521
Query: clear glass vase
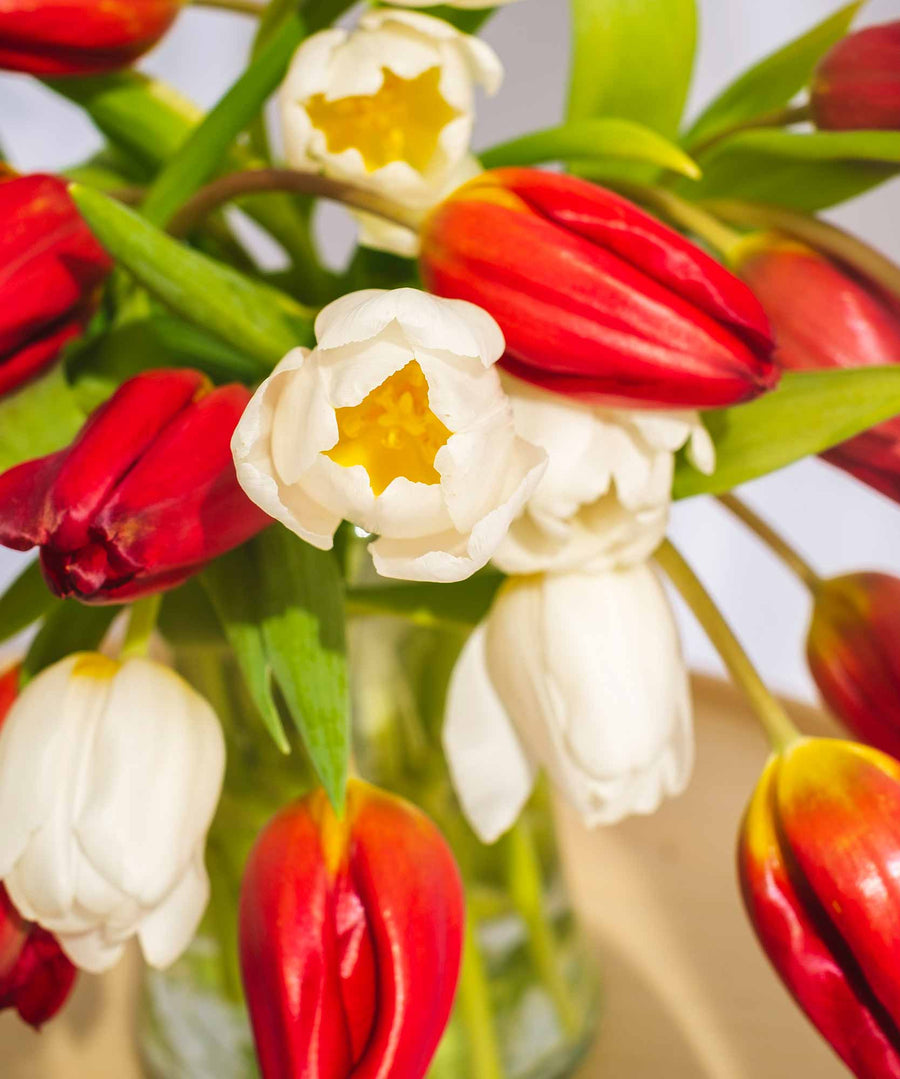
x: 527, y: 1001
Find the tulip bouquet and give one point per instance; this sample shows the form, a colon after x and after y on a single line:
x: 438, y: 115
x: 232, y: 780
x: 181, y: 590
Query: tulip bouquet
x: 336, y: 569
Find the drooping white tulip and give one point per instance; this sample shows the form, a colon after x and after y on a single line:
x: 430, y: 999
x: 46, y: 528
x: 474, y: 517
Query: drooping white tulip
x: 388, y: 105
x: 110, y: 774
x: 581, y: 675
x: 396, y: 422
x: 603, y: 502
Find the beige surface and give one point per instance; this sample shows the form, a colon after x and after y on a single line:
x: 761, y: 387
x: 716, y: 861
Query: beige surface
x: 687, y: 993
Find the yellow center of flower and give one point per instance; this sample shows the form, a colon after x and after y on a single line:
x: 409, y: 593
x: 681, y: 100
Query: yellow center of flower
x: 392, y: 432
x: 402, y: 121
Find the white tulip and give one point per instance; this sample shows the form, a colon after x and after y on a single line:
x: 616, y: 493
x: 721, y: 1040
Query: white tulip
x: 390, y: 106
x: 396, y: 422
x: 109, y: 778
x: 581, y: 675
x: 603, y: 502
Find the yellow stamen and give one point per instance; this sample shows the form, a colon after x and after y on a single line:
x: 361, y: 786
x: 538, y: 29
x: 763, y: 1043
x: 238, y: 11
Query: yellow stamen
x: 392, y: 432
x: 402, y: 121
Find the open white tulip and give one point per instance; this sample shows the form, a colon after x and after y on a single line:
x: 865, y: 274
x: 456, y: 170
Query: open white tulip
x: 581, y: 675
x: 109, y: 778
x: 604, y: 500
x: 390, y: 106
x: 396, y: 422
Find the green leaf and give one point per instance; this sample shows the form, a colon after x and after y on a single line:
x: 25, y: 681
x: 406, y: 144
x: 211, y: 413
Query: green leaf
x: 232, y: 585
x: 38, y: 419
x: 464, y: 603
x: 187, y: 617
x: 303, y: 631
x: 255, y: 319
x: 772, y: 82
x: 807, y: 413
x: 633, y: 59
x: 588, y: 142
x: 470, y: 22
x: 801, y: 171
x: 25, y: 601
x: 206, y: 147
x: 70, y: 627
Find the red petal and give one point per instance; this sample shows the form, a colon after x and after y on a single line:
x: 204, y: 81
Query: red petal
x: 23, y: 501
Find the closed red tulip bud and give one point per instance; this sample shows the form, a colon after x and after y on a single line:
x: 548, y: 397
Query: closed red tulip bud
x: 819, y: 859
x: 853, y: 649
x: 597, y: 299
x: 144, y: 496
x: 80, y: 37
x: 35, y: 976
x: 857, y: 84
x: 351, y: 935
x: 50, y: 270
x: 824, y: 316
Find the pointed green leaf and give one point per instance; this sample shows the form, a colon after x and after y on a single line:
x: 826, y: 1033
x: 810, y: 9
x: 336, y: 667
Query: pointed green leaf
x: 807, y: 413
x: 801, y: 171
x: 40, y: 418
x: 25, y: 601
x: 69, y: 627
x: 772, y: 82
x: 588, y: 142
x: 633, y: 59
x: 255, y: 319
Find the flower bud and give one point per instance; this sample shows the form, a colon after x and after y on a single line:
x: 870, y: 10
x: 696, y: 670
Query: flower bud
x: 853, y: 650
x: 52, y: 268
x: 35, y: 976
x: 597, y: 299
x: 396, y: 422
x: 80, y: 37
x: 824, y: 317
x: 109, y: 777
x: 350, y: 937
x: 144, y: 496
x: 819, y: 860
x: 857, y: 83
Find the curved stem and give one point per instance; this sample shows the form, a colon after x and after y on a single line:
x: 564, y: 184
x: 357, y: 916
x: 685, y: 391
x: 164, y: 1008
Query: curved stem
x: 241, y: 7
x: 687, y: 215
x: 257, y: 181
x: 828, y: 239
x: 783, y: 117
x: 773, y: 718
x: 141, y: 624
x: 474, y: 1002
x: 772, y: 539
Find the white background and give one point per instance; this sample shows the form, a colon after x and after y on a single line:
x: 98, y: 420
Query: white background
x: 835, y: 522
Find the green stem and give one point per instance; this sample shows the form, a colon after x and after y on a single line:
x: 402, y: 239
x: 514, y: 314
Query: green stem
x: 686, y: 215
x: 527, y: 891
x: 783, y: 117
x: 474, y: 1003
x: 141, y: 624
x: 826, y: 238
x: 240, y: 7
x: 772, y: 539
x: 235, y: 185
x: 773, y: 718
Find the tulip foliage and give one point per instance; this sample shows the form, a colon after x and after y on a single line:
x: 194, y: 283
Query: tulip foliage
x: 478, y: 424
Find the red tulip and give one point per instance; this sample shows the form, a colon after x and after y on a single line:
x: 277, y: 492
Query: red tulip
x: 857, y: 84
x: 853, y: 649
x: 50, y: 269
x: 351, y: 935
x: 596, y: 299
x: 824, y: 316
x: 144, y: 496
x: 80, y: 37
x: 819, y: 859
x: 35, y: 977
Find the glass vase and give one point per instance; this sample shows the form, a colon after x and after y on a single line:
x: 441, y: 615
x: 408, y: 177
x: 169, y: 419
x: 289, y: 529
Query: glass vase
x: 526, y: 1006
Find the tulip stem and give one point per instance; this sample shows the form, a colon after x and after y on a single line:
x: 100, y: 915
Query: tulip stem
x: 141, y: 624
x: 819, y: 234
x: 775, y: 721
x: 258, y: 181
x: 687, y: 216
x: 241, y: 7
x: 474, y: 1003
x: 772, y: 539
x: 782, y: 117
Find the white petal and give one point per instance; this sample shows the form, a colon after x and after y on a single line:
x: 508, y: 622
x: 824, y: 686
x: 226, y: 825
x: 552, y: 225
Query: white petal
x: 167, y: 931
x: 91, y: 951
x: 491, y: 774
